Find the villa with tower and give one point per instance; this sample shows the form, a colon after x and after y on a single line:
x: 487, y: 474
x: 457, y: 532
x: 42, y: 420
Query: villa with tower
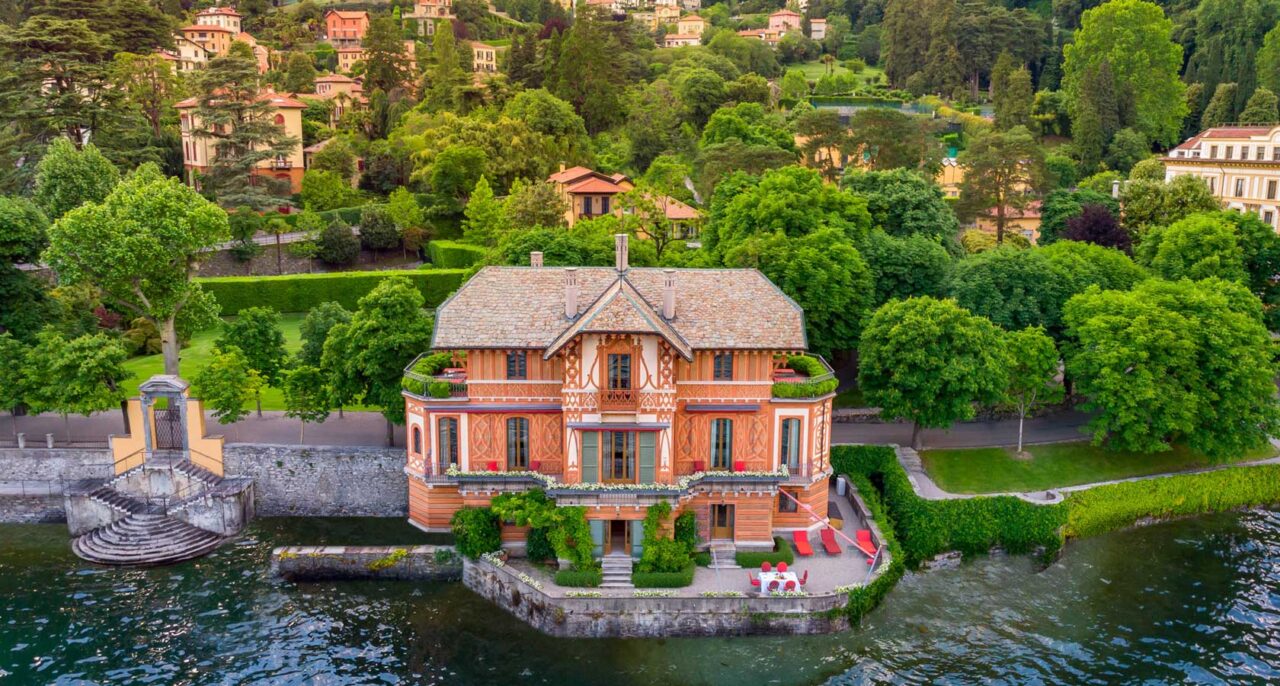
x: 615, y: 388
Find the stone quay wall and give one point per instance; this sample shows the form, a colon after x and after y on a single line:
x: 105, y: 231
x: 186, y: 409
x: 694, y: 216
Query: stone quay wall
x: 322, y: 481
x: 328, y: 563
x: 32, y: 480
x: 615, y: 617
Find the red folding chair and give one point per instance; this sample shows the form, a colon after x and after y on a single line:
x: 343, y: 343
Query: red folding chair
x: 829, y: 541
x: 754, y: 581
x: 804, y: 579
x: 773, y: 586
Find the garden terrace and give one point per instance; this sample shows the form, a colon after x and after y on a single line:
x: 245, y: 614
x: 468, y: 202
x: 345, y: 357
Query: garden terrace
x: 431, y: 376
x: 804, y: 377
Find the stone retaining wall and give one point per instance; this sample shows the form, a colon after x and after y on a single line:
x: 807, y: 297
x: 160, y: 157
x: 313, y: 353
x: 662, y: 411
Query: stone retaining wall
x: 654, y: 617
x: 31, y: 509
x: 54, y: 464
x: 324, y: 481
x: 327, y: 563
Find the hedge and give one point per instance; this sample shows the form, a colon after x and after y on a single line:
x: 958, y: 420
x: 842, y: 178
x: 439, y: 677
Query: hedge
x: 1107, y: 508
x: 579, y: 578
x: 812, y: 368
x: 454, y: 255
x: 350, y: 215
x: 301, y: 292
x: 781, y: 553
x: 678, y: 579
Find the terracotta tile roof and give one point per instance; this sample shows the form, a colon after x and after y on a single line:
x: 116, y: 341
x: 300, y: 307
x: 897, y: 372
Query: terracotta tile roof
x: 523, y: 307
x: 594, y: 184
x: 570, y: 174
x: 785, y: 13
x: 280, y: 101
x: 674, y: 209
x: 334, y: 78
x: 621, y: 309
x: 213, y: 11
x: 348, y: 14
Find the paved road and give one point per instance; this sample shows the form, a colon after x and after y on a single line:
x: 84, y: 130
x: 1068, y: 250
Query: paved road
x: 369, y: 428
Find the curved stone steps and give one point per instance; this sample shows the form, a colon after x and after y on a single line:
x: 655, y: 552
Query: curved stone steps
x: 117, y: 500
x: 145, y: 540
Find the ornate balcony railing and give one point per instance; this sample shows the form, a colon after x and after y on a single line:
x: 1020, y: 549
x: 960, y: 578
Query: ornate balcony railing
x: 618, y: 399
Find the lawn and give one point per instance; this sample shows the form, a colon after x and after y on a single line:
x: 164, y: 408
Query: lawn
x: 196, y: 355
x: 816, y: 69
x: 996, y: 470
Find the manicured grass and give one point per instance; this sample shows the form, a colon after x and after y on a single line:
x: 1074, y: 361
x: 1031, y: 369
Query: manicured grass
x: 816, y: 69
x: 196, y: 355
x: 996, y: 470
x: 850, y: 397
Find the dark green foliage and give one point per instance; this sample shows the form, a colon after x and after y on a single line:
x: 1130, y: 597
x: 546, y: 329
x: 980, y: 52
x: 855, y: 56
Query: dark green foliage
x: 903, y: 267
x: 677, y: 579
x: 905, y: 203
x: 1221, y: 107
x: 1013, y: 288
x: 781, y: 553
x: 686, y: 530
x: 315, y: 329
x: 476, y: 531
x: 301, y: 292
x: 454, y: 254
x: 580, y: 578
x: 1062, y: 204
x: 338, y: 244
x: 538, y: 546
x: 377, y: 230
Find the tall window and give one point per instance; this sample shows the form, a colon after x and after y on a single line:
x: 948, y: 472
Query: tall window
x: 1212, y: 184
x: 447, y: 437
x: 1230, y: 151
x: 723, y: 367
x: 1239, y: 188
x: 790, y: 446
x: 586, y: 205
x: 417, y: 440
x: 1213, y: 152
x: 619, y: 371
x: 1271, y: 189
x: 618, y: 450
x: 517, y: 443
x: 721, y: 443
x: 1261, y: 153
x: 604, y: 205
x: 517, y: 365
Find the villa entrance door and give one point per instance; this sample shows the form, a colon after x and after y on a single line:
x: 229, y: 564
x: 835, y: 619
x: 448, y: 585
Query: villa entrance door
x: 169, y: 432
x: 619, y: 538
x: 721, y: 522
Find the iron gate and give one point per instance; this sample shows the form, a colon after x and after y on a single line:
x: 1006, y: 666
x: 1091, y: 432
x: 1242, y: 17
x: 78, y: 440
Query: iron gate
x: 168, y: 429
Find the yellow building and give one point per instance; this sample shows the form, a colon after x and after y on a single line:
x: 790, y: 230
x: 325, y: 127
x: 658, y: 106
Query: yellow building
x: 347, y: 58
x: 426, y: 13
x: 691, y: 25
x: 665, y: 14
x: 216, y: 40
x: 1240, y: 164
x: 198, y: 151
x: 484, y: 58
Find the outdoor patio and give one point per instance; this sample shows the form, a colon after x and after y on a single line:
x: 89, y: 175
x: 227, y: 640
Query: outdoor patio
x: 826, y: 572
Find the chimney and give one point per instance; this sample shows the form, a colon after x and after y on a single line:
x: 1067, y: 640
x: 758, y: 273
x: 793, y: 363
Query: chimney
x: 1115, y: 188
x: 668, y: 294
x: 570, y: 292
x: 620, y: 251
x: 562, y: 166
x: 535, y: 259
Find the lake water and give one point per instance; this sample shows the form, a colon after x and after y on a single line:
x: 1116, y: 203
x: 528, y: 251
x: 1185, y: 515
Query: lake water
x: 1194, y: 601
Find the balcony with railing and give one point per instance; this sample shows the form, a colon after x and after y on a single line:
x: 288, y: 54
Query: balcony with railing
x: 804, y: 377
x: 619, y: 400
x: 431, y: 378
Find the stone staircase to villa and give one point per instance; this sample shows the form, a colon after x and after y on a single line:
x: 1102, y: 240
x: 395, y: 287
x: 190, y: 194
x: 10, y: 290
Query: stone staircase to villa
x: 724, y: 555
x: 617, y: 571
x: 144, y: 516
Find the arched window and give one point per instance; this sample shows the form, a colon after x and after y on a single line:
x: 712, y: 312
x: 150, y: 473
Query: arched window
x: 279, y: 120
x: 417, y: 440
x: 447, y: 438
x: 517, y: 443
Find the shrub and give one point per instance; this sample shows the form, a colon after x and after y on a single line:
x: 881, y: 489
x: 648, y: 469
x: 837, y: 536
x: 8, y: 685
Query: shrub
x: 301, y: 292
x: 781, y: 553
x: 579, y: 578
x: 338, y: 245
x: 678, y: 579
x: 812, y: 368
x: 454, y: 254
x: 686, y: 530
x: 476, y: 531
x: 1106, y: 508
x: 377, y: 230
x: 538, y: 546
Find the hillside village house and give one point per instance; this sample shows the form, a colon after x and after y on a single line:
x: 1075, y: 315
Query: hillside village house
x: 616, y: 388
x: 589, y: 193
x: 343, y: 93
x: 198, y: 151
x: 347, y: 58
x: 780, y: 23
x: 226, y: 17
x: 426, y: 13
x: 188, y: 55
x: 691, y: 24
x: 345, y: 29
x: 215, y: 40
x: 484, y: 58
x: 817, y: 29
x: 212, y: 34
x: 680, y: 40
x: 1240, y: 164
x: 665, y: 14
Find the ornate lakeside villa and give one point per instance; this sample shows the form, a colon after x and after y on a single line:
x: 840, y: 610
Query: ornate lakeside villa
x: 614, y: 388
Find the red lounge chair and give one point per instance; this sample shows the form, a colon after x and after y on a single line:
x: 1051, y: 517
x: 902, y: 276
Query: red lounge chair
x: 491, y: 466
x: 829, y: 541
x: 863, y: 540
x: 782, y: 566
x: 766, y: 567
x: 754, y: 581
x: 739, y: 466
x: 801, y: 540
x: 791, y: 586
x: 804, y: 579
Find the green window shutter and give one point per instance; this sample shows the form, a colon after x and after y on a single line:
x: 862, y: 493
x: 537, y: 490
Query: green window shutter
x: 590, y: 457
x: 637, y: 538
x: 647, y: 466
x: 597, y: 536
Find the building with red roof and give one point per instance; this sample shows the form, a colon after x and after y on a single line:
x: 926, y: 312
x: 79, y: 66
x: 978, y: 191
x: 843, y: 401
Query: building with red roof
x: 199, y: 144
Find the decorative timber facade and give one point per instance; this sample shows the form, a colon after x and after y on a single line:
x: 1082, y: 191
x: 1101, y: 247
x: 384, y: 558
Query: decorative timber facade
x: 616, y: 388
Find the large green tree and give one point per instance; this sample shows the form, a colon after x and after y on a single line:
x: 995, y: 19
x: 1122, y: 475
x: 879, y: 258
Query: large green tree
x: 75, y: 376
x: 929, y: 362
x: 386, y: 64
x: 139, y: 246
x: 890, y: 139
x: 1153, y: 203
x: 906, y: 266
x: 1002, y: 171
x: 67, y: 177
x: 226, y: 385
x: 1032, y: 366
x: 1200, y: 246
x: 256, y: 333
x: 1174, y: 361
x: 1013, y: 288
x: 905, y: 203
x: 365, y: 358
x: 1228, y: 34
x: 1135, y: 38
x: 315, y: 330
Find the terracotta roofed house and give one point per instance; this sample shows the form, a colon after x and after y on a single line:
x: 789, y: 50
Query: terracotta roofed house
x: 1240, y: 164
x: 691, y: 25
x: 345, y: 28
x: 226, y: 17
x: 199, y: 150
x: 589, y: 193
x: 783, y: 21
x: 216, y: 40
x: 614, y: 388
x: 426, y: 13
